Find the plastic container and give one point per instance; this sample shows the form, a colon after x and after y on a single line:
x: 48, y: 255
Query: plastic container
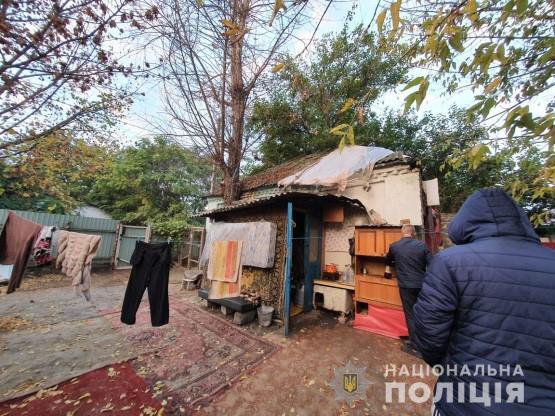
x: 349, y: 275
x: 299, y: 296
x: 265, y: 315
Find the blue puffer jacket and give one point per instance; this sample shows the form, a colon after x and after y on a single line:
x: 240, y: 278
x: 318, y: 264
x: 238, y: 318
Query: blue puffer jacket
x: 490, y: 301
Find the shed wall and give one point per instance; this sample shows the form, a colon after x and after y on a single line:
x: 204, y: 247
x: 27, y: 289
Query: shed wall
x: 267, y: 282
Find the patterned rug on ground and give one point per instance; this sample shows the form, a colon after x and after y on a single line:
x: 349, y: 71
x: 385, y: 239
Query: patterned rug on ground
x: 112, y: 390
x: 187, y: 362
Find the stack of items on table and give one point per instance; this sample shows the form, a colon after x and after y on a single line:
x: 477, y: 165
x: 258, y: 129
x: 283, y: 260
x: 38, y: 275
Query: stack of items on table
x: 20, y: 239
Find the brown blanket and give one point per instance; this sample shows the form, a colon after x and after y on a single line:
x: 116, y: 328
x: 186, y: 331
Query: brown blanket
x: 16, y: 242
x: 75, y: 254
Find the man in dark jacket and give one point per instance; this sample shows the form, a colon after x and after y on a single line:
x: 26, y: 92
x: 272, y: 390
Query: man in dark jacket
x: 486, y: 313
x: 410, y: 258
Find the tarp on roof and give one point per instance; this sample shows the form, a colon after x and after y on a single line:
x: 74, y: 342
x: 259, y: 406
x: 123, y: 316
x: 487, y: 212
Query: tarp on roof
x: 334, y: 169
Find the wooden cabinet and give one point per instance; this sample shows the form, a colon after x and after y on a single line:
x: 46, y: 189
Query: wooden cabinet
x: 377, y: 290
x: 375, y: 241
x: 367, y: 242
x: 389, y: 237
x: 371, y: 246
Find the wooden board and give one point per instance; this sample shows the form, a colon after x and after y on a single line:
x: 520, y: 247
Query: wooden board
x: 334, y: 213
x: 331, y: 283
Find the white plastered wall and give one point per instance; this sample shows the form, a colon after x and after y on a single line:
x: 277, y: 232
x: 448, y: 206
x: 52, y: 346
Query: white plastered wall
x: 394, y: 194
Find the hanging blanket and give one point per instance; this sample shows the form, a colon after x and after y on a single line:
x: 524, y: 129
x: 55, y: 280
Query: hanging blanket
x: 259, y: 241
x: 16, y: 243
x: 75, y: 254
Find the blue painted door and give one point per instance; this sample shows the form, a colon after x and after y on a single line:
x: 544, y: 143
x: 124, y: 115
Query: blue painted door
x: 312, y: 257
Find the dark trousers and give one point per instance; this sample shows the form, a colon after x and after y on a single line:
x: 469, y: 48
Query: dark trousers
x: 151, y: 269
x: 408, y: 299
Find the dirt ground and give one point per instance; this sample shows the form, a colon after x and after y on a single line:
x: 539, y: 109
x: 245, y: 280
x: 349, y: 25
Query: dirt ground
x: 294, y: 380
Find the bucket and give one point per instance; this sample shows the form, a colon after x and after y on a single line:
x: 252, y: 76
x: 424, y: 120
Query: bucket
x: 265, y: 315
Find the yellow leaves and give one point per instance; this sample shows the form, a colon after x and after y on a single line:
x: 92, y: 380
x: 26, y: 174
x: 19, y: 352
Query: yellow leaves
x: 477, y: 154
x: 395, y: 18
x: 455, y: 42
x: 278, y: 67
x: 470, y: 9
x: 278, y: 5
x: 380, y: 19
x: 347, y: 105
x: 84, y: 396
x: 416, y: 81
x: 360, y: 115
x: 347, y: 134
x: 229, y: 24
x: 418, y: 95
x: 232, y: 28
x: 112, y: 372
x: 521, y: 6
x: 492, y: 86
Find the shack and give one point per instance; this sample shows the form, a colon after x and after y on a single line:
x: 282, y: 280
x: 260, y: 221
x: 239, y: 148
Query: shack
x: 317, y: 204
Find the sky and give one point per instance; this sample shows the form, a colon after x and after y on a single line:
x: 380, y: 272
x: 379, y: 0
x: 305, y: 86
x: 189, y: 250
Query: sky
x: 149, y: 109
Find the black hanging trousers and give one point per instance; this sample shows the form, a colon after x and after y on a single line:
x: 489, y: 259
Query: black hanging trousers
x: 151, y: 269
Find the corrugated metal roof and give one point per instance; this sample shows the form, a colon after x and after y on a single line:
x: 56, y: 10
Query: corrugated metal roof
x: 268, y: 199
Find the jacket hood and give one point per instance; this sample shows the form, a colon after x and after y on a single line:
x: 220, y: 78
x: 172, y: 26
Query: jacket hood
x: 490, y: 213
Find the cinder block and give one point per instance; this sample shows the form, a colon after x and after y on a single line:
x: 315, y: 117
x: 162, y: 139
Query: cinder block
x: 242, y: 318
x: 226, y: 311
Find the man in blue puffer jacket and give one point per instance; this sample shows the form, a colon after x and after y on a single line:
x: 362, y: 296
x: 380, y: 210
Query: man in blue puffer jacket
x: 486, y: 313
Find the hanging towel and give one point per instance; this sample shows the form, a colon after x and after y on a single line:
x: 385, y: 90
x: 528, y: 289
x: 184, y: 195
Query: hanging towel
x: 16, y: 243
x: 224, y: 269
x: 75, y: 254
x: 225, y: 260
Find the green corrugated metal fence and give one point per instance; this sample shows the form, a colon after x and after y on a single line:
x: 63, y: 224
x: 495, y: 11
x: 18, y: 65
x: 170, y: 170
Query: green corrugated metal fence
x: 104, y: 227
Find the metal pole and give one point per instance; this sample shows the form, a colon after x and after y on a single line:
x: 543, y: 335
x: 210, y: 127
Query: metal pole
x: 288, y: 263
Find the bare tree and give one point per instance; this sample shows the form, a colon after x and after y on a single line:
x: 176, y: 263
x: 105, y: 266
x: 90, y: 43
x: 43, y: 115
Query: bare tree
x: 215, y: 53
x: 58, y: 66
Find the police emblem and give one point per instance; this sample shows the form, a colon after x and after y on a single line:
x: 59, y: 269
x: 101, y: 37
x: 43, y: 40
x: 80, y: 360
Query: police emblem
x: 350, y: 383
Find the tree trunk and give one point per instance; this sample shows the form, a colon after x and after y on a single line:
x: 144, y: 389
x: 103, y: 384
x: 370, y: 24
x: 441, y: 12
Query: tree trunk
x: 238, y: 104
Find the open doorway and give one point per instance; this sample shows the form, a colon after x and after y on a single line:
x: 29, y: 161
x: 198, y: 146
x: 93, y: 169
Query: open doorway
x: 306, y: 258
x: 297, y: 266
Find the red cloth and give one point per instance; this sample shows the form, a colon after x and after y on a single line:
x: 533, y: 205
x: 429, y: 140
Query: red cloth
x: 16, y: 243
x: 383, y: 321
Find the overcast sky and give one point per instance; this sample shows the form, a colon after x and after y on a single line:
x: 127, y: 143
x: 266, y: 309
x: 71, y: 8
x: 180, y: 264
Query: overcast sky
x: 149, y: 109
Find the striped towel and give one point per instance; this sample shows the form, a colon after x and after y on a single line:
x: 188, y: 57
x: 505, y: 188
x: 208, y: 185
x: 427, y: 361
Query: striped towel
x: 225, y: 261
x: 224, y: 269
